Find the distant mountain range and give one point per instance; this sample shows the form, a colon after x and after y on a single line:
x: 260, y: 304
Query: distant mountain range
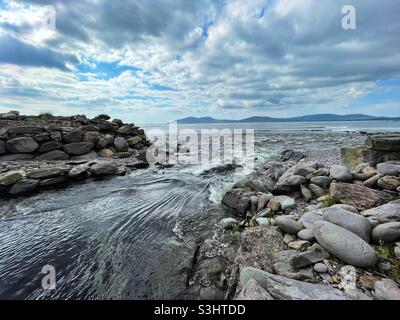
x: 308, y: 118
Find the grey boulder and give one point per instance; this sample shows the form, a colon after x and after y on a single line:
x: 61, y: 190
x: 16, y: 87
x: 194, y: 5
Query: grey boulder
x: 282, y: 288
x: 288, y: 224
x: 321, y: 181
x: 312, y: 255
x: 78, y: 148
x: 120, y: 144
x: 22, y: 145
x: 104, y: 168
x: 344, y: 244
x: 341, y: 173
x: 355, y: 223
x: 386, y: 213
x: 387, y: 232
x: 388, y: 169
x: 23, y: 187
x: 282, y: 266
x: 53, y: 155
x: 386, y: 289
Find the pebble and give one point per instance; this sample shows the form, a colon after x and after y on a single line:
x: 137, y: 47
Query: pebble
x: 306, y: 234
x: 299, y: 245
x: 320, y: 268
x: 288, y: 238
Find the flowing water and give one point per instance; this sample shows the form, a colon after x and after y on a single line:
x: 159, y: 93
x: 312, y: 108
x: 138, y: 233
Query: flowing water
x: 130, y: 237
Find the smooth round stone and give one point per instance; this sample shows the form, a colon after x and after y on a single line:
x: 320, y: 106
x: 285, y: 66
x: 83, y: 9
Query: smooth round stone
x: 288, y: 224
x: 386, y: 232
x: 341, y: 173
x: 344, y: 244
x: 286, y: 202
x: 321, y: 181
x: 349, y: 221
x: 320, y: 268
x: 306, y: 234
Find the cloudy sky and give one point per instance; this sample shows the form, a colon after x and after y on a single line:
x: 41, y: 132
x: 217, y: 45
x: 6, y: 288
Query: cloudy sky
x: 151, y: 61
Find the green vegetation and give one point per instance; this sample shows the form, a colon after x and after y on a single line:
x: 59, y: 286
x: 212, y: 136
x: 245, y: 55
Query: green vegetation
x: 236, y: 228
x: 46, y: 115
x: 330, y: 201
x: 383, y: 252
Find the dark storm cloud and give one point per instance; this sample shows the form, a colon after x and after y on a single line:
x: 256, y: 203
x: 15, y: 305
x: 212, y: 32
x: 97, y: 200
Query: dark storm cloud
x: 13, y: 51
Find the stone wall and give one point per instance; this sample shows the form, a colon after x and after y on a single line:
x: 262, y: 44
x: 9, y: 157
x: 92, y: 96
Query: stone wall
x: 49, y: 137
x: 377, y: 149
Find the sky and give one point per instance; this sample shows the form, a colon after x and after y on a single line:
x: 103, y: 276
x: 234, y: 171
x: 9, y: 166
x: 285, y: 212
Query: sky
x: 154, y: 61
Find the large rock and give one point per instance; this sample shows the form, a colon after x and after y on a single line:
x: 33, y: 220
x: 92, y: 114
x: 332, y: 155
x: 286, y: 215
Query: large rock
x: 291, y: 155
x: 387, y: 213
x: 341, y: 173
x: 79, y: 171
x: 120, y: 144
x: 358, y: 196
x: 282, y: 266
x: 50, y: 182
x: 288, y: 224
x: 321, y: 181
x: 282, y: 288
x: 389, y: 183
x: 50, y: 146
x: 296, y: 180
x: 303, y: 170
x: 309, y: 218
x: 91, y: 136
x: 349, y: 221
x: 104, y: 168
x: 388, y: 169
x: 344, y: 244
x: 48, y: 172
x: 11, y: 177
x: 387, y: 289
x: 78, y: 148
x: 384, y: 142
x: 73, y: 136
x: 237, y: 199
x: 372, y: 182
x: 25, y: 130
x: 22, y: 145
x: 386, y: 232
x: 134, y: 140
x: 253, y: 291
x: 53, y: 155
x: 311, y: 256
x: 257, y: 247
x: 286, y: 202
x: 307, y: 194
x: 24, y: 187
x: 317, y: 191
x: 105, y: 153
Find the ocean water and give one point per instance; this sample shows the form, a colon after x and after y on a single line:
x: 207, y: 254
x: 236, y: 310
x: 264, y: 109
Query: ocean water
x: 133, y: 237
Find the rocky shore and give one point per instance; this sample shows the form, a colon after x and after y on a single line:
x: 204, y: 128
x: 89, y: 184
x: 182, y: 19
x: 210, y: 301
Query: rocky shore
x: 45, y: 151
x: 298, y: 229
